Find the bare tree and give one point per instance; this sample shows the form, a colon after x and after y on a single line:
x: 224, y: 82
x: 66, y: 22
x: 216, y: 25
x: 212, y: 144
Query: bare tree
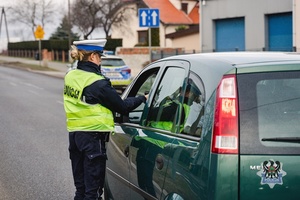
x: 47, y: 11
x: 33, y: 13
x: 113, y: 12
x: 91, y: 14
x: 85, y: 15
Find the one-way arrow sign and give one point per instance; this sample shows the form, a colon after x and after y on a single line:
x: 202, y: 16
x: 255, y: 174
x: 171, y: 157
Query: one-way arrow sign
x: 149, y: 17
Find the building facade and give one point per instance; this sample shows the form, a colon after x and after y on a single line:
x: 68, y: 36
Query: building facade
x: 243, y: 25
x: 173, y: 14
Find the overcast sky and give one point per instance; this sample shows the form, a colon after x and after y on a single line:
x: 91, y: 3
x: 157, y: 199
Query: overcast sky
x: 19, y: 32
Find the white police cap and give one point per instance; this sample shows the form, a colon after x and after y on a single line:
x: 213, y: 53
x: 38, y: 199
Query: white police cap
x: 90, y: 45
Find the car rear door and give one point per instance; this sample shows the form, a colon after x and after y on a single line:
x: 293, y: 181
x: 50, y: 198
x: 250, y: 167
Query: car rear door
x: 269, y: 104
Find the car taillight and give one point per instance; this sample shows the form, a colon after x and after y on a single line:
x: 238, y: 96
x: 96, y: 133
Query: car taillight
x: 127, y: 70
x: 225, y: 132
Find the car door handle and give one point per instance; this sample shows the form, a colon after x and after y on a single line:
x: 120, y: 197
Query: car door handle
x: 133, y: 117
x: 126, y: 151
x: 159, y: 162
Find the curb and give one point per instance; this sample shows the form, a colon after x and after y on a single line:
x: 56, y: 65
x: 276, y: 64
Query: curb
x: 49, y: 73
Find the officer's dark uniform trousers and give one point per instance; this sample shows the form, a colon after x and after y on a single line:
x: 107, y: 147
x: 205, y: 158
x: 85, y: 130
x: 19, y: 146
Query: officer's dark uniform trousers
x: 88, y: 157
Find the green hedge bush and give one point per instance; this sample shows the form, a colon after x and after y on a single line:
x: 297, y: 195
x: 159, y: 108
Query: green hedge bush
x: 57, y: 45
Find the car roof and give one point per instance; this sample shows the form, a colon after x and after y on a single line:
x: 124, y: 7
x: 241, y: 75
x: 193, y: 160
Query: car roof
x: 242, y: 58
x: 111, y: 57
x: 212, y: 66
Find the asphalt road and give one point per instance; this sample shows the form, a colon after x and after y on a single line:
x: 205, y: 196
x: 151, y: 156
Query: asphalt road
x: 34, y: 159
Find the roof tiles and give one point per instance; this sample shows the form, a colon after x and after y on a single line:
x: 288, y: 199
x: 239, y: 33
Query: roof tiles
x: 169, y: 14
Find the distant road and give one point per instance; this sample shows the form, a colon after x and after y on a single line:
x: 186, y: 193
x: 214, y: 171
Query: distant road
x: 34, y: 159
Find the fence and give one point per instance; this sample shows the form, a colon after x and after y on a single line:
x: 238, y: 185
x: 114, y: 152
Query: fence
x: 61, y: 56
x: 158, y: 54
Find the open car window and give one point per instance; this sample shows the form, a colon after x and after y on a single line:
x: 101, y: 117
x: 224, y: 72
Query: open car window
x: 142, y: 86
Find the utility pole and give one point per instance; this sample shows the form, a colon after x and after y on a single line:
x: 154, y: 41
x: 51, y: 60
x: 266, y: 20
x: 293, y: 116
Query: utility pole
x: 69, y: 29
x: 4, y: 15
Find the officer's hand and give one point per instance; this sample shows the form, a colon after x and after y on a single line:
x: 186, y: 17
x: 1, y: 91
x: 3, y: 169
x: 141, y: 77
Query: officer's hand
x: 146, y: 96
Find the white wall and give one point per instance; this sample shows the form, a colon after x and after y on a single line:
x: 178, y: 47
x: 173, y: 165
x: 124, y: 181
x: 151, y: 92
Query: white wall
x: 296, y: 28
x: 190, y: 42
x: 128, y: 30
x: 163, y: 30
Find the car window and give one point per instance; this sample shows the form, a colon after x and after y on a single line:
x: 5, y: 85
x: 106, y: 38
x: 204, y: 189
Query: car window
x: 178, y: 103
x: 166, y: 106
x: 142, y: 86
x: 269, y: 112
x: 146, y: 86
x: 195, y: 107
x: 278, y: 109
x: 112, y: 62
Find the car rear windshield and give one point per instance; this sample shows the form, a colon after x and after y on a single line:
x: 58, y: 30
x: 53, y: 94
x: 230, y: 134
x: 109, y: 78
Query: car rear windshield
x: 112, y: 62
x: 269, y: 105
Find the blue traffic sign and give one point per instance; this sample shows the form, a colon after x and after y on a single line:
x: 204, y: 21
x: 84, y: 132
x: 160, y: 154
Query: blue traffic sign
x: 149, y: 17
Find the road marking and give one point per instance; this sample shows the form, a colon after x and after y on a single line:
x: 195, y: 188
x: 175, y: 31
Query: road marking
x: 31, y: 85
x: 33, y: 92
x: 60, y: 102
x: 13, y: 84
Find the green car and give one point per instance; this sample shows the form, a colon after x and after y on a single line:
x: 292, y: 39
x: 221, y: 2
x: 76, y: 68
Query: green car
x: 215, y: 126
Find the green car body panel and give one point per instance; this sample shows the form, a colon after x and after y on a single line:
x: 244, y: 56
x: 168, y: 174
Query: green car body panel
x: 253, y: 184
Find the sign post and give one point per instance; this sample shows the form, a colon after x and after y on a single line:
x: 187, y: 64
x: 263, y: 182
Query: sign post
x: 39, y: 35
x: 149, y: 18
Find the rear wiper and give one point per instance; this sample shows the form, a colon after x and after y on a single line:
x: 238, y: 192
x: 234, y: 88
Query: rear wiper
x: 283, y: 139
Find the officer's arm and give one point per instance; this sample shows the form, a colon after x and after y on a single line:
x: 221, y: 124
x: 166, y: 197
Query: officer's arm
x: 102, y: 92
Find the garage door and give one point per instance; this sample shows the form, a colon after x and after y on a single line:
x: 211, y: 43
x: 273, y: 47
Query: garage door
x: 230, y: 34
x: 280, y: 30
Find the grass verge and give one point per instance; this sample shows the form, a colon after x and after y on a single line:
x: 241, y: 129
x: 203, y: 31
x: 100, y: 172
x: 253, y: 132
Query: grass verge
x: 25, y: 66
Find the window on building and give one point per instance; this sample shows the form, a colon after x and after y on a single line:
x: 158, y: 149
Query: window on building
x: 142, y: 37
x: 184, y: 7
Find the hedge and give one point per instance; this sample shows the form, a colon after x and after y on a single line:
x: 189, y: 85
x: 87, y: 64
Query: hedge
x: 57, y: 45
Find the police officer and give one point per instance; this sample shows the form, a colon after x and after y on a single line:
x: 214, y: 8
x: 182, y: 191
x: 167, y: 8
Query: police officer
x: 89, y: 103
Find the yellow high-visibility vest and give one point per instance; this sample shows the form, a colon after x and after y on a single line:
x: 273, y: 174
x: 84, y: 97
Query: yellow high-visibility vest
x: 82, y: 116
